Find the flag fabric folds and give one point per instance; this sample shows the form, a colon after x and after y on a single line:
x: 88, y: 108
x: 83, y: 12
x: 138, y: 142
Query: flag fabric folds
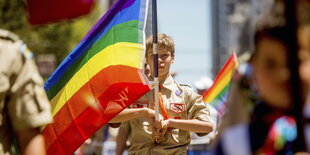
x: 217, y: 94
x: 99, y: 78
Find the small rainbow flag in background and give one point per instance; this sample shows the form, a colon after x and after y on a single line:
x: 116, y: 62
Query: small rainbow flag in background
x: 281, y: 136
x: 217, y: 94
x: 100, y: 77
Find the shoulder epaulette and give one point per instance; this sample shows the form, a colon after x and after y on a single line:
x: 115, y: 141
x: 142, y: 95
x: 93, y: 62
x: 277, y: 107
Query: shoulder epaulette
x: 185, y: 85
x: 5, y: 34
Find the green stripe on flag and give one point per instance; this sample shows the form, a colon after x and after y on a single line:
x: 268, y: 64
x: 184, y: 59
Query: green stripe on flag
x: 118, y: 33
x: 220, y: 95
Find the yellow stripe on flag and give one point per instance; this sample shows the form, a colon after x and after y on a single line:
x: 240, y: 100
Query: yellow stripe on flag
x: 221, y: 85
x: 111, y: 55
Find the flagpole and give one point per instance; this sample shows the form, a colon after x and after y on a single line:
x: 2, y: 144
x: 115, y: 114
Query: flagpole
x: 155, y: 52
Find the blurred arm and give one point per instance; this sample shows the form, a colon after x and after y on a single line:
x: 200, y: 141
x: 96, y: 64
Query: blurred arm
x: 121, y: 141
x: 31, y: 142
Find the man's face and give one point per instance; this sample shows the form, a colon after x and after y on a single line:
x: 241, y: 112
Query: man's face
x: 165, y: 59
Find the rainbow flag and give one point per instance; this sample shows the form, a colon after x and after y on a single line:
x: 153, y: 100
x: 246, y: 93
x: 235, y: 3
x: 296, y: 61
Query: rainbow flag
x: 217, y: 94
x: 99, y: 78
x: 280, y: 136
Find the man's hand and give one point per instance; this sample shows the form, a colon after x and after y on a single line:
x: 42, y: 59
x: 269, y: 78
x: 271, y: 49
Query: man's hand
x: 159, y: 129
x: 150, y: 113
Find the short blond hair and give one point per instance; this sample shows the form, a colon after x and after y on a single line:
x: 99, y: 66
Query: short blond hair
x: 164, y: 42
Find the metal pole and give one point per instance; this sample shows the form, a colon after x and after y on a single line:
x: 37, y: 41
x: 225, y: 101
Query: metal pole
x: 155, y: 52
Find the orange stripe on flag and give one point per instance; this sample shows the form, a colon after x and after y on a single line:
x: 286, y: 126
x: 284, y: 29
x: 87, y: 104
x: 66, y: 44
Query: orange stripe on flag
x: 221, y: 79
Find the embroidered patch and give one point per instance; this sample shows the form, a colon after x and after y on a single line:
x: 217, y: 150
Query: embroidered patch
x: 177, y: 107
x: 140, y: 104
x: 178, y: 92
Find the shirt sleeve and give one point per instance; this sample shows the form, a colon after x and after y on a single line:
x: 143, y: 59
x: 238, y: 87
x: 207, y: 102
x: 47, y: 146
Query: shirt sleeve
x: 28, y: 105
x: 197, y: 109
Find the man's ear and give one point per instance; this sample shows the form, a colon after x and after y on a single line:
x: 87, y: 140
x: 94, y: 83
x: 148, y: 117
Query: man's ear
x: 172, y: 61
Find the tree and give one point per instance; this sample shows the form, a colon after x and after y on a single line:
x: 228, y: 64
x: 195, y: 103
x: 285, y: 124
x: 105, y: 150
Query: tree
x: 57, y: 38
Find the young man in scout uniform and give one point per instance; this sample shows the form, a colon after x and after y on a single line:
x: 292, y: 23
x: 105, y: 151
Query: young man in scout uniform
x: 182, y: 109
x: 24, y: 107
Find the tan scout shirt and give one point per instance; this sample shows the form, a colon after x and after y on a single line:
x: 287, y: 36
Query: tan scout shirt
x: 23, y: 103
x: 181, y: 102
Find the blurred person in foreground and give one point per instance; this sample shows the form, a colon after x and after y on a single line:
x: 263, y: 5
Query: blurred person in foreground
x: 260, y: 105
x: 24, y: 106
x: 304, y: 57
x: 182, y: 109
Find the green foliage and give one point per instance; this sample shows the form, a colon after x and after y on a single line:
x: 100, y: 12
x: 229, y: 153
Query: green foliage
x: 57, y: 38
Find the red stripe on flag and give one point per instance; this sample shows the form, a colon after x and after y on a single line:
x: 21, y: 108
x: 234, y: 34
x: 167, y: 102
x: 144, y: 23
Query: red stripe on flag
x: 90, y: 120
x: 77, y: 132
x: 110, y: 78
